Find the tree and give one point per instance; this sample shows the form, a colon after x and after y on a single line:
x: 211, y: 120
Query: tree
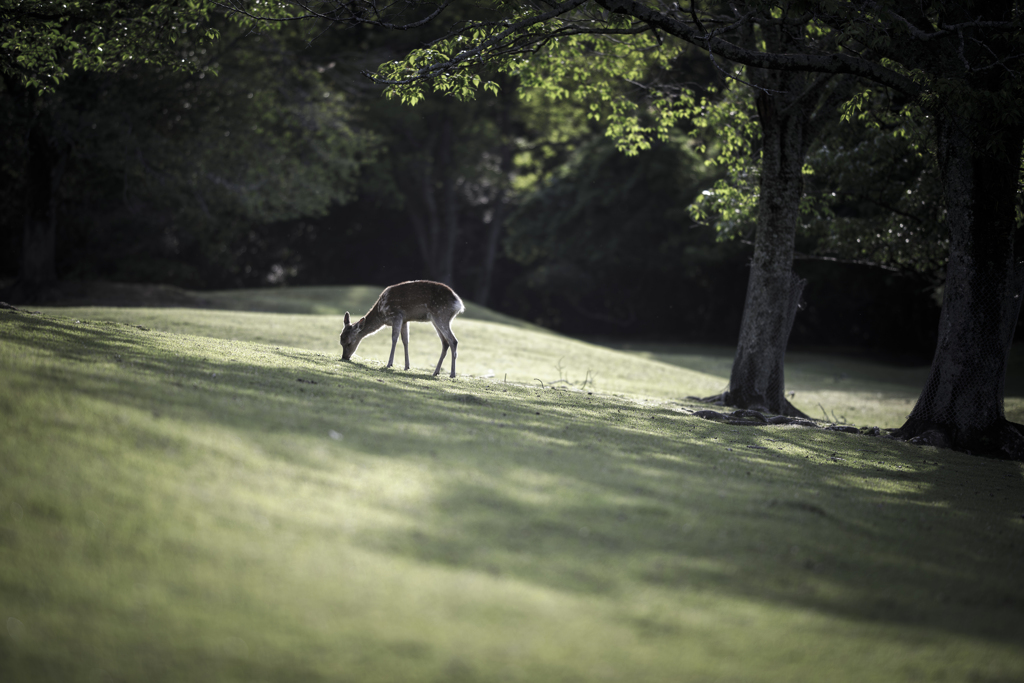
x: 792, y: 110
x: 871, y: 200
x: 42, y: 44
x: 44, y: 41
x: 176, y: 175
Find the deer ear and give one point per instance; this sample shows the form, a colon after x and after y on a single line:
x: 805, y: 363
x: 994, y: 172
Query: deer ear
x: 346, y: 318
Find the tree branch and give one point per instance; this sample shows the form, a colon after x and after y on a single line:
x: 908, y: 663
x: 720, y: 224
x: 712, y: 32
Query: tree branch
x: 838, y: 63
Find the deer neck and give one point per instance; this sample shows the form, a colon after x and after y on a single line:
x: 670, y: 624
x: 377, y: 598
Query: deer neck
x: 372, y: 321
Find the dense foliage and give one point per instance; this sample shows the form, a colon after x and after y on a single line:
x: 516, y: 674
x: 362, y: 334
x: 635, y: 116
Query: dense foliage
x: 176, y: 175
x: 42, y: 42
x: 186, y: 178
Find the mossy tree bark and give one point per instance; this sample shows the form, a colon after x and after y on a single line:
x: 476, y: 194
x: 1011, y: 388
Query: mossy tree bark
x: 793, y: 108
x: 757, y: 381
x: 980, y: 138
x: 961, y: 404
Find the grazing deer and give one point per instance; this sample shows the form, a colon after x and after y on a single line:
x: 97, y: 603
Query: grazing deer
x: 418, y: 301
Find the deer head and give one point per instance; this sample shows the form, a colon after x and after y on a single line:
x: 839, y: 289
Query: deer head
x: 351, y: 336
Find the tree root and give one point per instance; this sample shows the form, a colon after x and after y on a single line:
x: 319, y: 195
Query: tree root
x: 753, y: 418
x: 1011, y: 442
x: 727, y: 398
x: 1003, y: 441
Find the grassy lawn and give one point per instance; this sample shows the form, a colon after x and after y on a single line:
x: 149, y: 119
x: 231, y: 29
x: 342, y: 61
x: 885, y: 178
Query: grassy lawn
x: 209, y: 494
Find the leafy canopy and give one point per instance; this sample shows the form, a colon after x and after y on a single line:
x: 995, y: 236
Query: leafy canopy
x: 42, y: 41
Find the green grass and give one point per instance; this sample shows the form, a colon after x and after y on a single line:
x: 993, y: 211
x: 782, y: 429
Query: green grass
x: 179, y: 506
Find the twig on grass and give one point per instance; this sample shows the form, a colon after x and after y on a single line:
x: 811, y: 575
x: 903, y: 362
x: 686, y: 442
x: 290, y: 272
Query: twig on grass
x: 835, y: 420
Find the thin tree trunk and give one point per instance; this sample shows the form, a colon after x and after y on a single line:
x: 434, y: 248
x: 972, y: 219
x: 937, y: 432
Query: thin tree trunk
x: 435, y: 217
x: 420, y: 229
x: 415, y: 177
x: 497, y: 224
x: 962, y: 402
x: 45, y: 169
x: 449, y: 218
x: 424, y: 214
x: 494, y: 230
x: 496, y: 227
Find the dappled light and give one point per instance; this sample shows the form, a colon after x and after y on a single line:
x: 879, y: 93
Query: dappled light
x: 272, y: 482
x: 832, y: 388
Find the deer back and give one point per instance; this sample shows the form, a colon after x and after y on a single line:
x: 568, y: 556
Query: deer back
x: 419, y: 301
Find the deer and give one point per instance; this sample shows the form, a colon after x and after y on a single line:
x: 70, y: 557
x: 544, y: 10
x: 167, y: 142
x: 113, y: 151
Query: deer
x: 418, y: 301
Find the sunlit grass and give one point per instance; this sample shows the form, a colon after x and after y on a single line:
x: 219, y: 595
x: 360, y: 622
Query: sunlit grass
x: 175, y: 505
x: 828, y: 388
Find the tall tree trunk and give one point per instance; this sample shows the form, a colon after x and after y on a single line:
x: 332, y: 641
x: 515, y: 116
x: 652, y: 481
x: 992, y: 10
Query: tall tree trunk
x: 497, y: 224
x: 448, y: 216
x: 493, y: 238
x: 43, y: 173
x: 435, y: 217
x: 757, y: 381
x: 962, y: 401
x: 793, y: 109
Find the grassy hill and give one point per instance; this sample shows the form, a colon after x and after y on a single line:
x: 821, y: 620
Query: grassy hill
x: 839, y: 389
x: 210, y: 494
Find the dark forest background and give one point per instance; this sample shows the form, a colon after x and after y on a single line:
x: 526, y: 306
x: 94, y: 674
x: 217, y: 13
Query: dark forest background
x: 275, y: 163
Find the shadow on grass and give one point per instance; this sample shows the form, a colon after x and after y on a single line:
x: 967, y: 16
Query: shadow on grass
x: 597, y: 497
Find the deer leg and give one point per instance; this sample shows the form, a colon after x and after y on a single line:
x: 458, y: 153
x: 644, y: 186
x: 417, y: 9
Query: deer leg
x: 444, y: 351
x: 405, y: 343
x: 396, y: 329
x: 455, y: 352
x: 444, y: 331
